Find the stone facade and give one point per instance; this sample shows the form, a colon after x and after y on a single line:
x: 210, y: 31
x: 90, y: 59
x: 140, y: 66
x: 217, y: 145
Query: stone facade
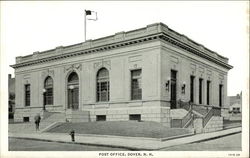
x: 155, y: 49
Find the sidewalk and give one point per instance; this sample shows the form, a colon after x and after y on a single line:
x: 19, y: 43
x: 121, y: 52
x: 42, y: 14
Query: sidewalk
x: 135, y: 143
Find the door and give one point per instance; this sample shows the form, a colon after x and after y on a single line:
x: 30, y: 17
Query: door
x: 173, y: 89
x: 73, y: 98
x: 220, y: 95
x: 73, y: 91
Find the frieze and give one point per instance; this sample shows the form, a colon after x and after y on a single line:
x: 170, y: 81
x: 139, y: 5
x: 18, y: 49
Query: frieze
x: 135, y: 58
x: 174, y: 59
x: 193, y: 66
x: 26, y: 76
x: 73, y: 67
x: 48, y: 73
x: 201, y: 69
x: 103, y: 63
x: 221, y: 76
x: 209, y: 72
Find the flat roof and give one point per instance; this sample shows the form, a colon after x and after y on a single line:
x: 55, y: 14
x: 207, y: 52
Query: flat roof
x: 110, y: 42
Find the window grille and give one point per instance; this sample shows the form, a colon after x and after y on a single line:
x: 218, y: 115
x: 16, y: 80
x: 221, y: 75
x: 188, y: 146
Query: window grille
x: 136, y: 89
x: 102, y: 85
x: 27, y: 95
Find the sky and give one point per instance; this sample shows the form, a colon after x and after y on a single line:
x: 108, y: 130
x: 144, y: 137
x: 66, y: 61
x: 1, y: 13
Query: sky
x: 27, y: 27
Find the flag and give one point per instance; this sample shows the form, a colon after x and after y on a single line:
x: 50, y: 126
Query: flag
x: 88, y: 12
x: 92, y: 15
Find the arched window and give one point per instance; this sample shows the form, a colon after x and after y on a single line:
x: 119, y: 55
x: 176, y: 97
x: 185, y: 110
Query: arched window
x: 102, y: 85
x: 48, y: 93
x: 73, y: 91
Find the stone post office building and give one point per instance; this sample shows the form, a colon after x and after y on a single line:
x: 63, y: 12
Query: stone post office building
x: 135, y: 75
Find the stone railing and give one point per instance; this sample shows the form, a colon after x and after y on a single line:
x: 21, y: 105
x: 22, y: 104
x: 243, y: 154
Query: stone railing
x: 214, y: 111
x: 184, y: 105
x: 181, y: 123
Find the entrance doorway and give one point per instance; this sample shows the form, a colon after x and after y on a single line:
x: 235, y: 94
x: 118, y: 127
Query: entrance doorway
x: 173, y: 89
x: 220, y: 95
x: 73, y: 91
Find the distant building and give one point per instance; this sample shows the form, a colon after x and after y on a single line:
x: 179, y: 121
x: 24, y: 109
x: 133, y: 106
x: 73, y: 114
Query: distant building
x: 11, y: 92
x: 235, y: 103
x: 134, y: 75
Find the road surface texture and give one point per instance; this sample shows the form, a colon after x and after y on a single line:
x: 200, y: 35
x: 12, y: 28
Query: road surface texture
x: 227, y: 143
x: 33, y: 145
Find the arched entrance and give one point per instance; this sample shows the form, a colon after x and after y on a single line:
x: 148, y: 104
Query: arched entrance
x: 73, y: 91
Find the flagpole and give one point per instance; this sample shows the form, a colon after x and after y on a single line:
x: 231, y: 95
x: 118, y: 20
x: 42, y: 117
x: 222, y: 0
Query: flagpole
x: 84, y: 25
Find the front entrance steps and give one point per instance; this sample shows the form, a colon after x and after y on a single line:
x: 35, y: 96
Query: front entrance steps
x: 203, y: 120
x: 200, y: 111
x: 49, y: 118
x: 181, y: 118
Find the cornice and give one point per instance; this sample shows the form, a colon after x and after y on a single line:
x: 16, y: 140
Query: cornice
x: 87, y: 51
x: 193, y: 50
x: 152, y: 32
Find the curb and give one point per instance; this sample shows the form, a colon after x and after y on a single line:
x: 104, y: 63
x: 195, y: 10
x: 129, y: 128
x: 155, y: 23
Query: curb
x: 127, y: 137
x: 176, y: 137
x: 230, y: 127
x: 80, y: 143
x: 224, y: 135
x: 124, y: 137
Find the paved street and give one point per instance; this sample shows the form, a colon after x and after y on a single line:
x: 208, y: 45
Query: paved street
x: 31, y: 145
x: 227, y: 143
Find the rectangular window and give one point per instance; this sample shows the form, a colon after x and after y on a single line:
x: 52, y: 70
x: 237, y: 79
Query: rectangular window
x: 208, y: 92
x: 220, y: 94
x: 200, y: 90
x: 27, y: 95
x: 192, y: 89
x: 100, y: 117
x: 136, y: 90
x: 136, y: 117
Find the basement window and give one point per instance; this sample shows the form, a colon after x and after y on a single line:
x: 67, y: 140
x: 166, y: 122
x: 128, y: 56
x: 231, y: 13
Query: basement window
x: 135, y: 117
x: 100, y: 117
x: 26, y: 119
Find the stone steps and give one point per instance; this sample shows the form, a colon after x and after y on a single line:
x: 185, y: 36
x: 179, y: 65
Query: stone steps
x: 52, y: 118
x: 178, y: 113
x: 200, y: 110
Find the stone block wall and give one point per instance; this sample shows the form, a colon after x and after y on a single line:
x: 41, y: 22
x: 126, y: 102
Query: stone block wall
x: 31, y: 112
x: 198, y: 125
x: 156, y: 114
x: 225, y: 113
x: 77, y: 116
x: 214, y: 124
x: 20, y: 113
x: 235, y: 117
x: 53, y: 108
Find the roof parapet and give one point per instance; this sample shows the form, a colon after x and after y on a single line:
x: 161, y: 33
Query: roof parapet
x: 119, y: 37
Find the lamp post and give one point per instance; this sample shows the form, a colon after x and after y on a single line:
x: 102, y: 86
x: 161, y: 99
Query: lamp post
x: 71, y: 87
x: 44, y: 92
x: 183, y: 87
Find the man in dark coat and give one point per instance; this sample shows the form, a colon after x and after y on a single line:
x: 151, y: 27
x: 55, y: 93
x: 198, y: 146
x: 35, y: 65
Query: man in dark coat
x: 37, y: 121
x: 72, y: 134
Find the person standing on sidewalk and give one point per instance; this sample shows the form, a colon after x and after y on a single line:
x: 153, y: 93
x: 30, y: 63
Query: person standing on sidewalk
x: 72, y: 134
x: 37, y: 121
